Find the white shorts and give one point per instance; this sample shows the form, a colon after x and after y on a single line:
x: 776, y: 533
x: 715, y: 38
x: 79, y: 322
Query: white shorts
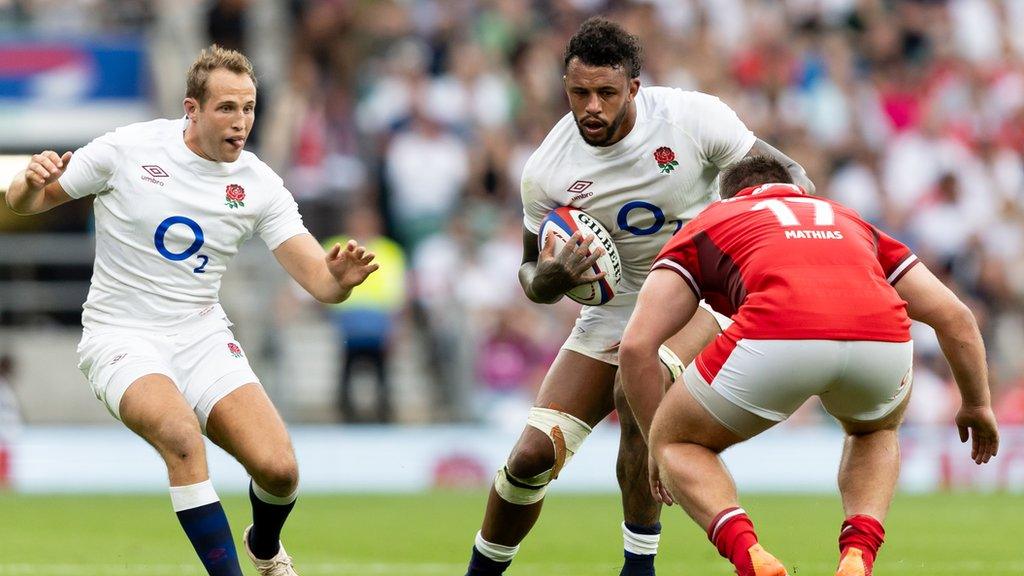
x: 200, y: 355
x: 599, y: 329
x: 752, y: 385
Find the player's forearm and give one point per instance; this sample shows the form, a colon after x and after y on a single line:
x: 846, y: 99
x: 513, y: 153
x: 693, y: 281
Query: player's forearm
x: 535, y: 287
x: 331, y: 292
x: 24, y: 199
x: 964, y: 349
x: 796, y: 171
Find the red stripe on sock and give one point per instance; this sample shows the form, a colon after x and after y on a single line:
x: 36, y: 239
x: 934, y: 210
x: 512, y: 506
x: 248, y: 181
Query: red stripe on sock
x: 734, y: 539
x: 864, y: 533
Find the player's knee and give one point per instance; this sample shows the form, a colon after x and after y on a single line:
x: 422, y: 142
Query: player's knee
x: 278, y: 475
x: 178, y: 440
x: 533, y: 455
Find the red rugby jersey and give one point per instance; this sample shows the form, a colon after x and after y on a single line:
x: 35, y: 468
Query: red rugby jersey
x: 786, y: 265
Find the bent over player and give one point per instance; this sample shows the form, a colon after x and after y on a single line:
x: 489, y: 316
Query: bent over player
x: 174, y: 200
x: 642, y: 161
x: 820, y: 302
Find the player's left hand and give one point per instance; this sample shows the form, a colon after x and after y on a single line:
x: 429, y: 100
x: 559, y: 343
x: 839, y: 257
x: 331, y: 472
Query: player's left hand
x: 658, y: 490
x: 978, y: 424
x: 350, y: 265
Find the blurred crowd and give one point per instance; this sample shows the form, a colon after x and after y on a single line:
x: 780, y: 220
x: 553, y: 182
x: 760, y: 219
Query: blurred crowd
x: 424, y: 111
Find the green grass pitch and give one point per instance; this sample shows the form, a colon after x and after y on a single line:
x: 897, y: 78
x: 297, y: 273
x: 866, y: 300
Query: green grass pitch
x: 430, y: 534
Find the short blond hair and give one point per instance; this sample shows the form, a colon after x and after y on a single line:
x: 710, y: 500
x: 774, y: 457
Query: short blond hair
x: 214, y: 58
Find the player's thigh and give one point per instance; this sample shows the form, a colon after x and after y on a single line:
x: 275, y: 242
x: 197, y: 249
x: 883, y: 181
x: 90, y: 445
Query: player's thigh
x: 578, y: 385
x: 211, y: 365
x: 246, y: 425
x: 682, y: 418
x: 696, y: 335
x: 114, y: 359
x: 872, y: 392
x: 155, y: 409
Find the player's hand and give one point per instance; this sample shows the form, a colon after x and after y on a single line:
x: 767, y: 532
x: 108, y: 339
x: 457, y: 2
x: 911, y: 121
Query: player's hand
x: 571, y: 267
x: 978, y: 423
x: 350, y: 265
x: 45, y: 168
x: 658, y: 490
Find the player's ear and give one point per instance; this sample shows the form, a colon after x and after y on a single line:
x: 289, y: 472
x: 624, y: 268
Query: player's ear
x: 191, y: 106
x: 634, y: 87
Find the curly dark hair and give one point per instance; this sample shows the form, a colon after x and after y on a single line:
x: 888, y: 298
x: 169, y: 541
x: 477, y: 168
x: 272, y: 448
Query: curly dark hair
x: 601, y: 42
x: 752, y: 171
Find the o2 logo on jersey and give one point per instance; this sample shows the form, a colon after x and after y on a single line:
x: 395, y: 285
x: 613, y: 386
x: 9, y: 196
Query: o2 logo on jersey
x: 197, y: 243
x: 639, y: 205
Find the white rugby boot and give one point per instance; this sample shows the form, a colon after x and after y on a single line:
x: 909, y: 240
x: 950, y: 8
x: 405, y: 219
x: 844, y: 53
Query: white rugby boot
x: 279, y: 565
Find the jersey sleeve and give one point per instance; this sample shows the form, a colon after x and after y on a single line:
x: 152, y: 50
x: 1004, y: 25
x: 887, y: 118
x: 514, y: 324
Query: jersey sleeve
x: 716, y: 128
x: 281, y: 219
x: 91, y: 167
x: 680, y: 256
x: 894, y: 256
x: 536, y: 203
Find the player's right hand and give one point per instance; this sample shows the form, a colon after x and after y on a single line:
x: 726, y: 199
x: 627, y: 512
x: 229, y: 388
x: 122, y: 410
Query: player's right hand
x: 978, y: 423
x: 572, y: 266
x: 45, y: 168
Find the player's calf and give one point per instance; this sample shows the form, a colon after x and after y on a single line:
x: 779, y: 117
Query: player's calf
x: 202, y: 517
x: 641, y: 530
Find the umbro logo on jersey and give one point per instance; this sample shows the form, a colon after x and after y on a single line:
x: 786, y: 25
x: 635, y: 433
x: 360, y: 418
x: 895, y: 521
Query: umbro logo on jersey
x: 578, y: 188
x: 153, y: 172
x: 156, y: 171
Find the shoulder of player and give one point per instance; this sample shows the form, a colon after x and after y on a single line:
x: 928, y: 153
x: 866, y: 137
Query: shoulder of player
x: 265, y: 173
x: 152, y: 132
x: 676, y: 105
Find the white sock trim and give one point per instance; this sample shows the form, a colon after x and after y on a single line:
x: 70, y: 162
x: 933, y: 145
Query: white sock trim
x: 264, y: 496
x: 495, y: 552
x: 724, y: 519
x: 645, y: 544
x: 193, y: 496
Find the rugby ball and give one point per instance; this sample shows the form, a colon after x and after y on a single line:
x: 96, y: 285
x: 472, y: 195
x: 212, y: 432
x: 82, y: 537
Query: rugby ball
x: 563, y: 222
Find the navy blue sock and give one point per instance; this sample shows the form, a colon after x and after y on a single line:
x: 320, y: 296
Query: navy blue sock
x: 207, y: 528
x: 640, y: 564
x: 267, y: 520
x: 480, y: 565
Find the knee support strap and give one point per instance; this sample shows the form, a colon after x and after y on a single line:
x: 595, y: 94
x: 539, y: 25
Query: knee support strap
x: 567, y: 434
x: 671, y: 361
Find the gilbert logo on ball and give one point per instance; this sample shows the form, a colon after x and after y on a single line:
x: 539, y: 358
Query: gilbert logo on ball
x: 563, y: 222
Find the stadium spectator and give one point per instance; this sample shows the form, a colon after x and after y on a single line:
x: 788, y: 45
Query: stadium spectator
x: 366, y: 321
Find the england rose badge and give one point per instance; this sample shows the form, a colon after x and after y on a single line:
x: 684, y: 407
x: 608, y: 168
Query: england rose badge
x: 666, y: 159
x: 234, y: 195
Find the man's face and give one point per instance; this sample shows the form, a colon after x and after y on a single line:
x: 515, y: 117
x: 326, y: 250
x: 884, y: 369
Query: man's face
x: 221, y: 124
x: 601, y: 99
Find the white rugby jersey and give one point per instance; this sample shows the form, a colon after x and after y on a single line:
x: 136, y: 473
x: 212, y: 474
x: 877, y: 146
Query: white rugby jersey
x: 168, y: 221
x: 646, y: 186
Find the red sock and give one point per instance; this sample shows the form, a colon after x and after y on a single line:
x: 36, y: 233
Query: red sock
x: 732, y: 533
x: 865, y: 533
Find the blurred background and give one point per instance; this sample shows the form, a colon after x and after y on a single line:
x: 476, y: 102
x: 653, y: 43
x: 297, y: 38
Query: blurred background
x: 406, y: 124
